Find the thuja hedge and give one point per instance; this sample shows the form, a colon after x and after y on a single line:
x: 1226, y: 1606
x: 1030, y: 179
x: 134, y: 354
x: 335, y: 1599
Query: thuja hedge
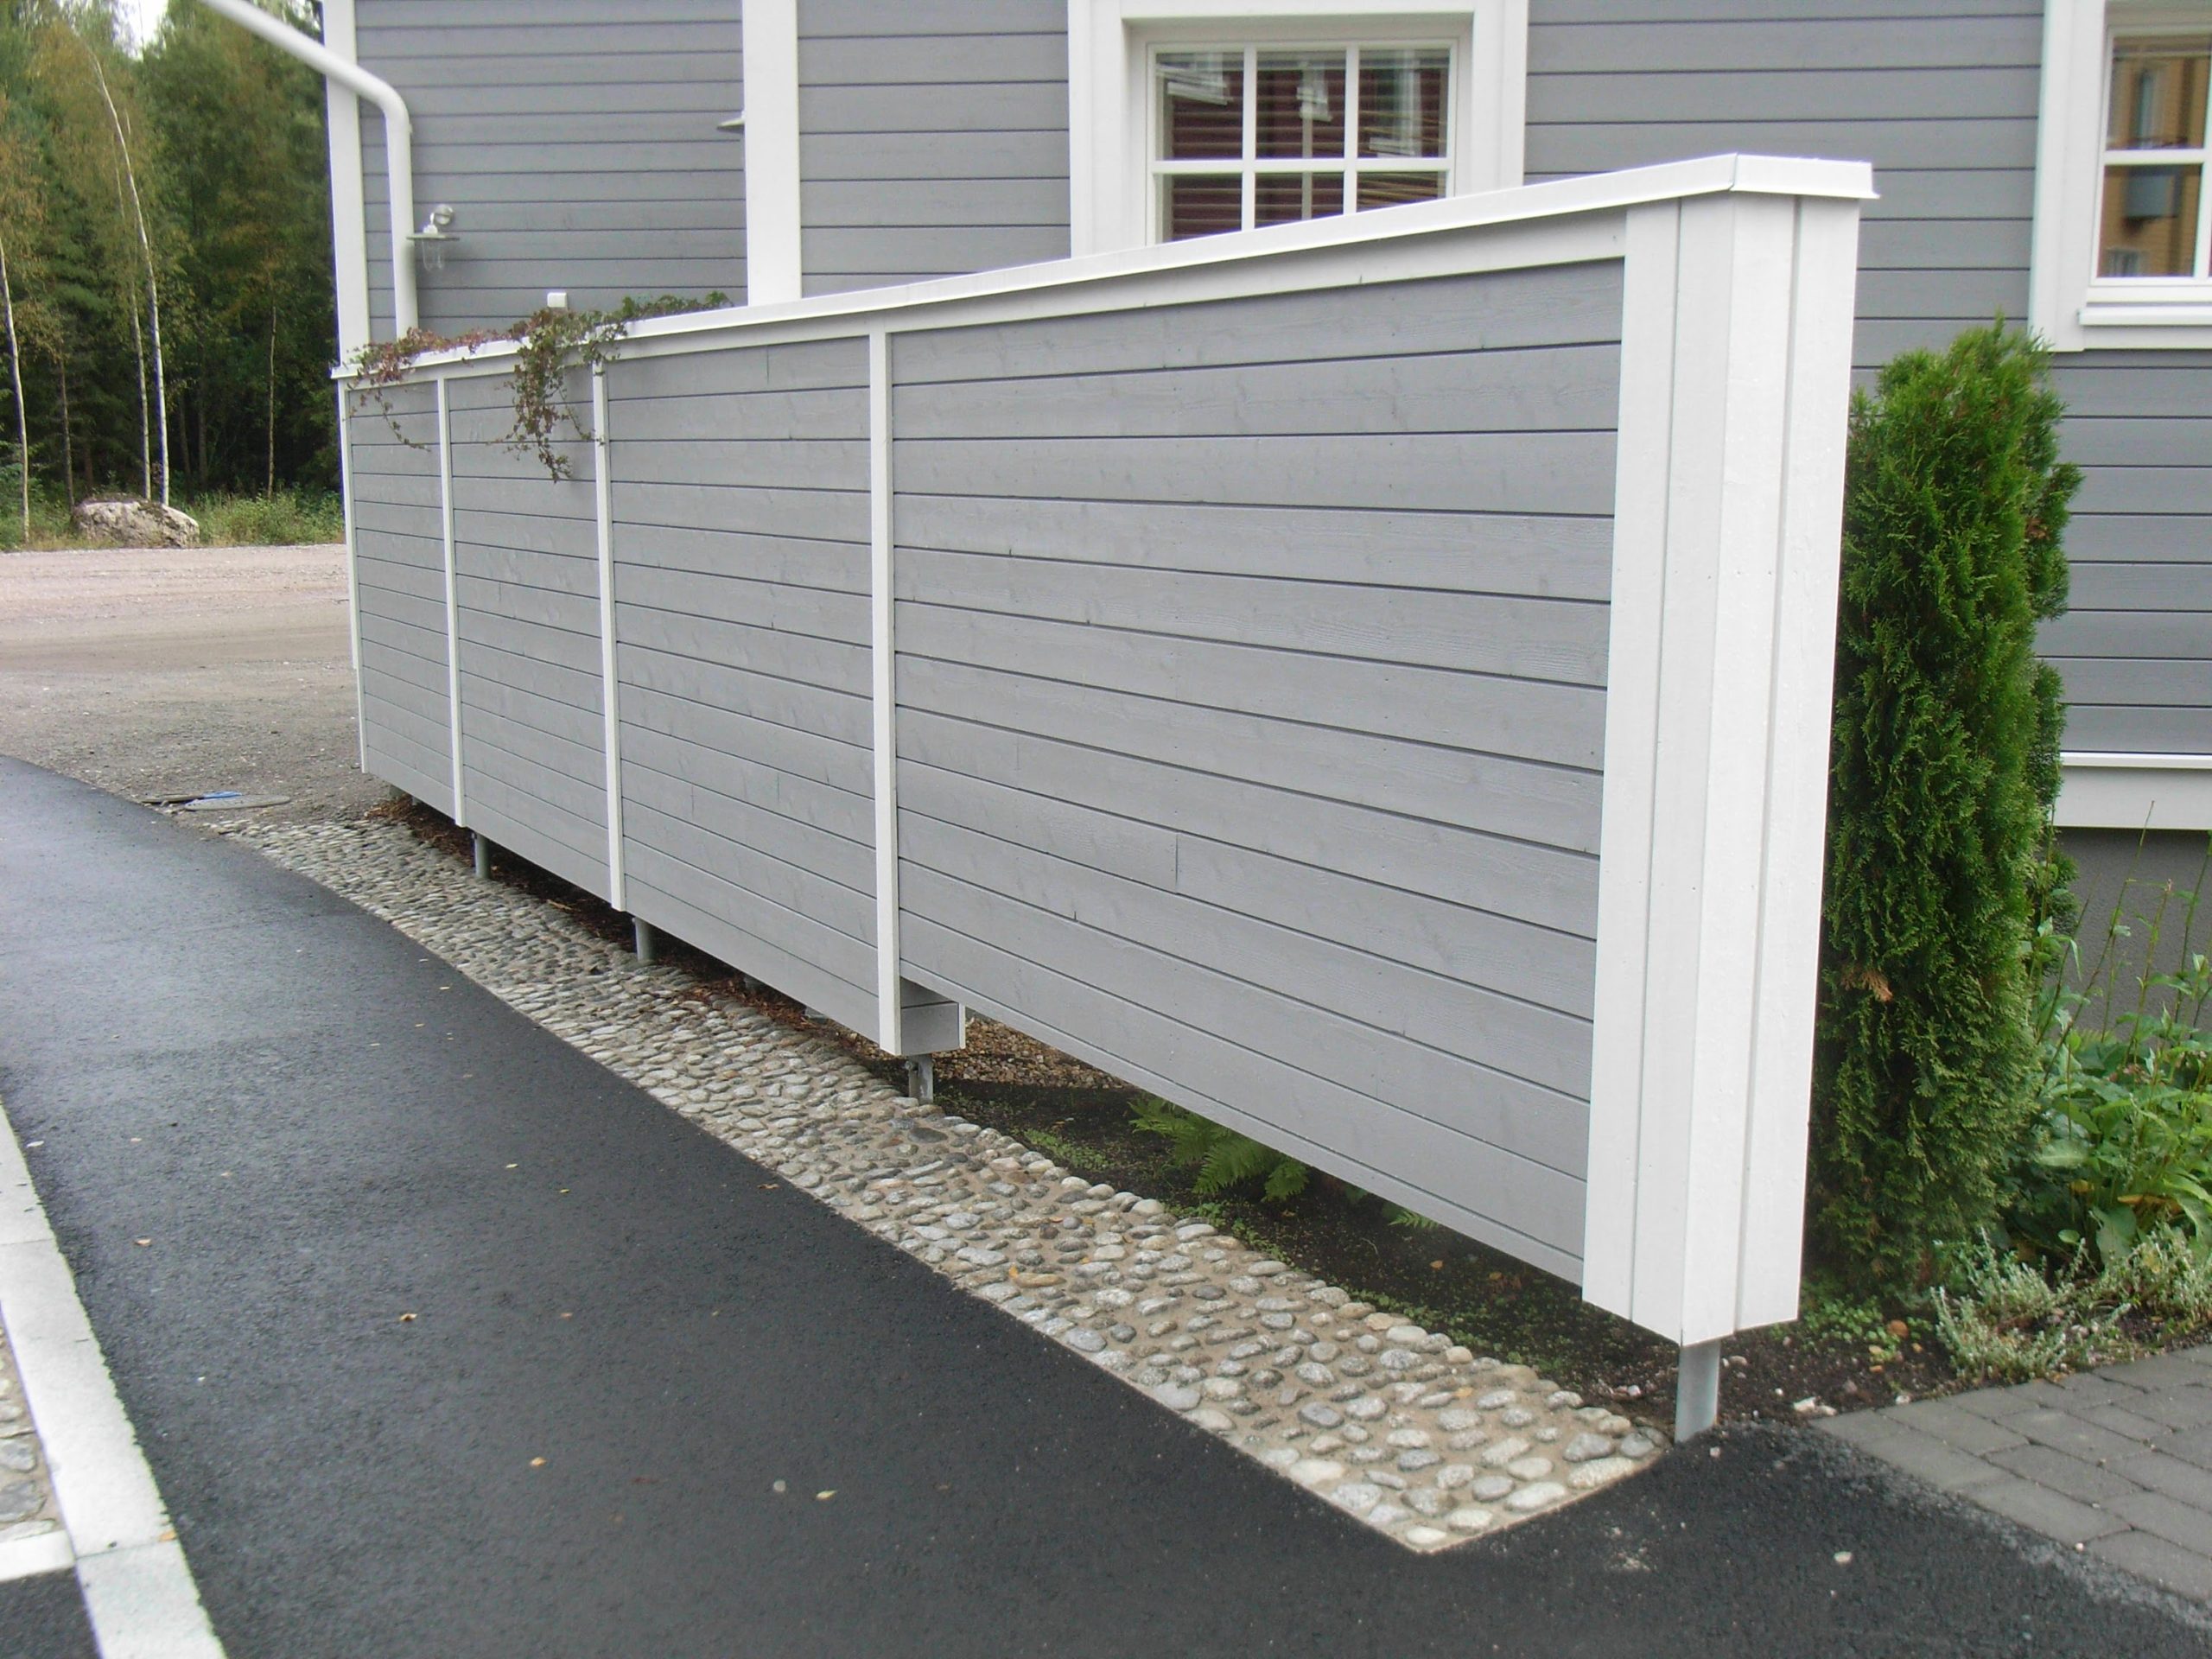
x: 1945, y: 763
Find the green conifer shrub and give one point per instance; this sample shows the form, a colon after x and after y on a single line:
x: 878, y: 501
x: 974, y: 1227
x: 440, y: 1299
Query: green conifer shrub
x: 1944, y: 767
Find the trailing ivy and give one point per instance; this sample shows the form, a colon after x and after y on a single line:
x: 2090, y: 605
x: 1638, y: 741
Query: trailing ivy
x: 1944, y: 766
x: 549, y: 344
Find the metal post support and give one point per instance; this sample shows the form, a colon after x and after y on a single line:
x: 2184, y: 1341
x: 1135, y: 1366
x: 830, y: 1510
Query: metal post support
x: 648, y: 942
x: 483, y: 859
x: 1697, y: 1389
x: 921, y: 1079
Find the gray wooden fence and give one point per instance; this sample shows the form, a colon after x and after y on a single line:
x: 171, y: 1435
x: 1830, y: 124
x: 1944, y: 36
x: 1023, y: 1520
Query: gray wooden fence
x: 1365, y: 682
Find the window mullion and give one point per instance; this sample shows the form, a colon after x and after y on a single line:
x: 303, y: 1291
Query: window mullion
x: 2203, y: 266
x: 1251, y: 181
x: 1352, y: 130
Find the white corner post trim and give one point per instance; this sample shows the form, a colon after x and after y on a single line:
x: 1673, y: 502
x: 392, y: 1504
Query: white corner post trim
x: 889, y: 1000
x: 398, y: 135
x: 772, y: 267
x: 139, y: 1594
x: 452, y: 565
x: 1735, y: 376
x: 2068, y: 139
x: 352, y: 570
x: 348, y: 193
x: 602, y: 489
x: 2134, y: 792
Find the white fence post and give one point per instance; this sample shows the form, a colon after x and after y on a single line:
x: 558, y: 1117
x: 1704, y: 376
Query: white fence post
x: 1735, y: 370
x: 888, y: 1021
x: 453, y: 597
x: 603, y: 506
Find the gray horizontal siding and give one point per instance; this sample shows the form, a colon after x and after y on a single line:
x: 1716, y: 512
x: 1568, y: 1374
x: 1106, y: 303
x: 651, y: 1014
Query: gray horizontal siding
x: 399, y: 575
x: 525, y: 558
x: 1250, y: 674
x: 741, y: 616
x: 577, y: 144
x: 932, y: 138
x: 1942, y: 99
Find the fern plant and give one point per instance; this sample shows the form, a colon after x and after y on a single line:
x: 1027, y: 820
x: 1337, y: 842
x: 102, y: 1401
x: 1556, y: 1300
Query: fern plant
x: 1223, y: 1159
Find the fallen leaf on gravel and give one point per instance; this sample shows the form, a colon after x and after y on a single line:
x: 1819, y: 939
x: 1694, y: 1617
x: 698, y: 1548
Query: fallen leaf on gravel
x: 407, y: 1319
x: 537, y: 1463
x: 770, y: 1187
x: 141, y: 1243
x: 822, y: 1496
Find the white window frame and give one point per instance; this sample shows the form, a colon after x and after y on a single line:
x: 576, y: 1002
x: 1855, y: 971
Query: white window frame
x: 1111, y: 93
x: 2069, y: 305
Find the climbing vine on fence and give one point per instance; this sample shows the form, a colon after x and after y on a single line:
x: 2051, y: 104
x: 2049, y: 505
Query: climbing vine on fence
x: 549, y: 343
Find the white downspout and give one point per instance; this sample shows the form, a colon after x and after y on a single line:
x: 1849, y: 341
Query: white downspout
x: 399, y: 135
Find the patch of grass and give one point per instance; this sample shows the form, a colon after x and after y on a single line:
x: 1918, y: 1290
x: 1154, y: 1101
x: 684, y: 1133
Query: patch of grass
x: 287, y: 519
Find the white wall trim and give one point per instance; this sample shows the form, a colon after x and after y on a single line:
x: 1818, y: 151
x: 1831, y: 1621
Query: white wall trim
x: 2135, y: 792
x: 602, y: 491
x: 889, y: 1000
x: 451, y: 564
x: 1727, y: 513
x: 1537, y: 224
x: 2065, y: 305
x: 773, y: 271
x: 1109, y: 93
x: 349, y: 210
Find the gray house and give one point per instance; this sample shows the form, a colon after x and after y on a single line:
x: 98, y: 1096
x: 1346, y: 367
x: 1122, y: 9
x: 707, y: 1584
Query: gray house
x: 1171, y: 545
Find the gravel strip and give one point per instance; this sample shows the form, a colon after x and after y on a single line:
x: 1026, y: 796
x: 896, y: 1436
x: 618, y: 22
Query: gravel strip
x: 1418, y: 1438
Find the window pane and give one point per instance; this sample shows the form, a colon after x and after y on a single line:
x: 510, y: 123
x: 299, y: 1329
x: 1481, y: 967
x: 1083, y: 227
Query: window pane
x: 1401, y: 100
x: 1201, y: 104
x: 2149, y: 221
x: 1285, y: 198
x: 1300, y: 108
x: 2158, y: 92
x: 1201, y: 206
x: 1388, y: 189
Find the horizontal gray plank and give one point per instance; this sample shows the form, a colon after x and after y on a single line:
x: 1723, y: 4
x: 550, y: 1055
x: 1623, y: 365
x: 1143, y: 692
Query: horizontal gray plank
x: 1534, y: 472
x: 513, y: 820
x: 2136, y: 730
x: 2157, y: 538
x: 1561, y: 305
x: 523, y: 638
x: 818, y: 874
x: 1423, y: 933
x: 809, y: 612
x: 1784, y: 43
x: 1815, y: 92
x: 774, y: 745
x: 1535, y: 720
x: 1574, y: 388
x: 925, y: 200
x: 1545, y: 805
x: 837, y: 720
x: 828, y: 19
x: 560, y: 614
x: 1574, y: 130
x: 549, y: 558
x: 387, y: 656
x: 2129, y: 633
x: 835, y: 413
x: 752, y: 463
x: 1543, y: 885
x: 426, y: 644
x: 817, y: 924
x: 755, y: 783
x: 1268, y: 1095
x: 832, y: 567
x: 829, y: 664
x: 578, y: 688
x: 1559, y: 640
x: 2142, y: 441
x: 932, y: 250
x: 554, y: 739
x: 820, y: 515
x: 2145, y: 681
x: 428, y: 737
x: 901, y: 59
x: 1356, y: 1020
x: 735, y: 927
x: 804, y: 366
x: 401, y: 680
x: 1498, y: 553
x: 1037, y: 155
x: 2149, y: 585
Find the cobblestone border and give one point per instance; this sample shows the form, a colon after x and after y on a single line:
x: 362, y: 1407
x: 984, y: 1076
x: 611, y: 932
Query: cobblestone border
x: 1418, y: 1438
x: 27, y: 1508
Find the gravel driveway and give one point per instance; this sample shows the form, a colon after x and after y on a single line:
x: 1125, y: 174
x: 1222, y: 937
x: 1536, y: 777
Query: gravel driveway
x: 164, y: 672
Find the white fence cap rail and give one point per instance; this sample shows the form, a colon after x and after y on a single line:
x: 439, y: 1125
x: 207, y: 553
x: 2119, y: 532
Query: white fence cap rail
x: 1532, y: 204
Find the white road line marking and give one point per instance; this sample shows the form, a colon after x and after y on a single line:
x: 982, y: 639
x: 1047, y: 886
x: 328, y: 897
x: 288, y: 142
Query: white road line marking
x: 137, y: 1588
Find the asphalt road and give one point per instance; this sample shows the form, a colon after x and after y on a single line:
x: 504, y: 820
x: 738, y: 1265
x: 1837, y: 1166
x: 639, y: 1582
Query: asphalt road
x: 322, y: 1131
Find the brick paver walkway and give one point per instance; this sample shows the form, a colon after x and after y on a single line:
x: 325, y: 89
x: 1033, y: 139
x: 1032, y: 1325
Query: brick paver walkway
x: 2117, y: 1461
